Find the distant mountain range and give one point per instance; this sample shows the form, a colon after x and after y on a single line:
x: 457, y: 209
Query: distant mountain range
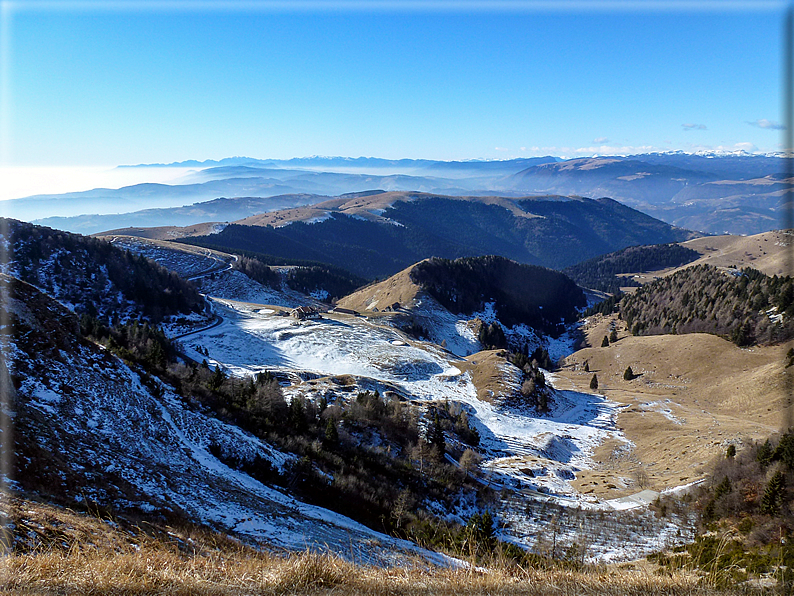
x: 365, y: 163
x: 739, y: 194
x: 735, y: 194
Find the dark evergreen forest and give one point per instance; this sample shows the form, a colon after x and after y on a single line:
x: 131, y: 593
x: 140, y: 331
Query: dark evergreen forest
x: 743, y: 306
x: 539, y: 297
x: 94, y: 276
x: 601, y: 273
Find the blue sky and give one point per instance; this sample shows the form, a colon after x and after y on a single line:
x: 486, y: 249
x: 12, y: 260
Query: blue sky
x: 153, y: 83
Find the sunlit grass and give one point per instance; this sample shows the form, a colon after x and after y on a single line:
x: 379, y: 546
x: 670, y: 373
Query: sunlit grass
x: 62, y: 552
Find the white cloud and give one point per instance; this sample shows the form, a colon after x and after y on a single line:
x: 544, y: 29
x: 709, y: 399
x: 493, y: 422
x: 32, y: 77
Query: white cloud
x: 749, y: 147
x: 501, y: 149
x: 694, y: 127
x: 770, y: 124
x: 600, y: 140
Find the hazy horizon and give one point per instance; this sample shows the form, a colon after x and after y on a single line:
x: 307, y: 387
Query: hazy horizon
x: 126, y: 83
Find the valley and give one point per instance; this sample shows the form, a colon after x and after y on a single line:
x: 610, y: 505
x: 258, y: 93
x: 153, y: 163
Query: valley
x: 542, y: 462
x: 542, y: 450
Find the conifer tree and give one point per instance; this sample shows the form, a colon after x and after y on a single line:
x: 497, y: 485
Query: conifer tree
x: 331, y: 439
x: 723, y: 488
x: 773, y: 495
x: 605, y: 342
x: 297, y: 415
x: 435, y: 436
x: 594, y: 382
x: 217, y: 379
x: 628, y: 374
x: 765, y: 453
x: 613, y: 336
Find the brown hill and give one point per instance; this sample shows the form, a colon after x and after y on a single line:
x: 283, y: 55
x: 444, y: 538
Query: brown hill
x: 367, y: 207
x: 165, y: 232
x: 693, y: 396
x: 768, y: 252
x: 399, y: 288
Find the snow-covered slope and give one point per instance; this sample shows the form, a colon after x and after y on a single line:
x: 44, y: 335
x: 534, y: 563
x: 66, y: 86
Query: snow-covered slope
x: 379, y: 356
x: 525, y: 453
x: 90, y: 427
x: 212, y: 272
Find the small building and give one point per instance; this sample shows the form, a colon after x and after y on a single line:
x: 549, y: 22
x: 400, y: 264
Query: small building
x: 305, y: 312
x: 345, y: 311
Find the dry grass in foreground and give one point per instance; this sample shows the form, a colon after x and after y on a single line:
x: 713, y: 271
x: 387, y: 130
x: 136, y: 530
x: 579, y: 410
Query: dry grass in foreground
x: 59, y: 551
x: 153, y: 570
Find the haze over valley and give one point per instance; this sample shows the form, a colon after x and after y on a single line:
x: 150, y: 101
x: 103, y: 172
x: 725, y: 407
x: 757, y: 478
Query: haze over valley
x: 712, y: 193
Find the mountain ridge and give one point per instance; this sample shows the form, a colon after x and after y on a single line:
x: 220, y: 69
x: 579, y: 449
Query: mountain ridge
x: 382, y: 234
x: 714, y: 193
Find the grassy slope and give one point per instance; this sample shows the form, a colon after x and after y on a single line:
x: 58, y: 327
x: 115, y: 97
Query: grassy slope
x: 397, y: 288
x: 717, y: 392
x: 768, y: 252
x: 70, y: 553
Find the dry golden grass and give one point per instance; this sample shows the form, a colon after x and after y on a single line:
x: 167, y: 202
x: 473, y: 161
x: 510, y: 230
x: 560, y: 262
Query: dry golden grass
x: 156, y: 569
x: 84, y: 554
x: 163, y: 232
x: 768, y: 252
x: 714, y: 393
x: 488, y: 373
x: 397, y: 288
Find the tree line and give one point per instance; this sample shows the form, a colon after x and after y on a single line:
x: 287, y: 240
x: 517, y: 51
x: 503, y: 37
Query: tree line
x: 743, y: 306
x: 601, y: 273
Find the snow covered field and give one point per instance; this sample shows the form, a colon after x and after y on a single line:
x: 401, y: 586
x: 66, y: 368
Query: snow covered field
x: 523, y: 450
x: 532, y: 457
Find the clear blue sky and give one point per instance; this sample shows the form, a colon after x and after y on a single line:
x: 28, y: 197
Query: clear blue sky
x: 157, y: 84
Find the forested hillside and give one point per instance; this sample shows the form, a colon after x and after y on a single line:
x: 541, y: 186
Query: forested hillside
x: 538, y: 297
x: 745, y: 306
x: 323, y: 281
x: 548, y: 231
x: 93, y: 276
x: 601, y: 273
